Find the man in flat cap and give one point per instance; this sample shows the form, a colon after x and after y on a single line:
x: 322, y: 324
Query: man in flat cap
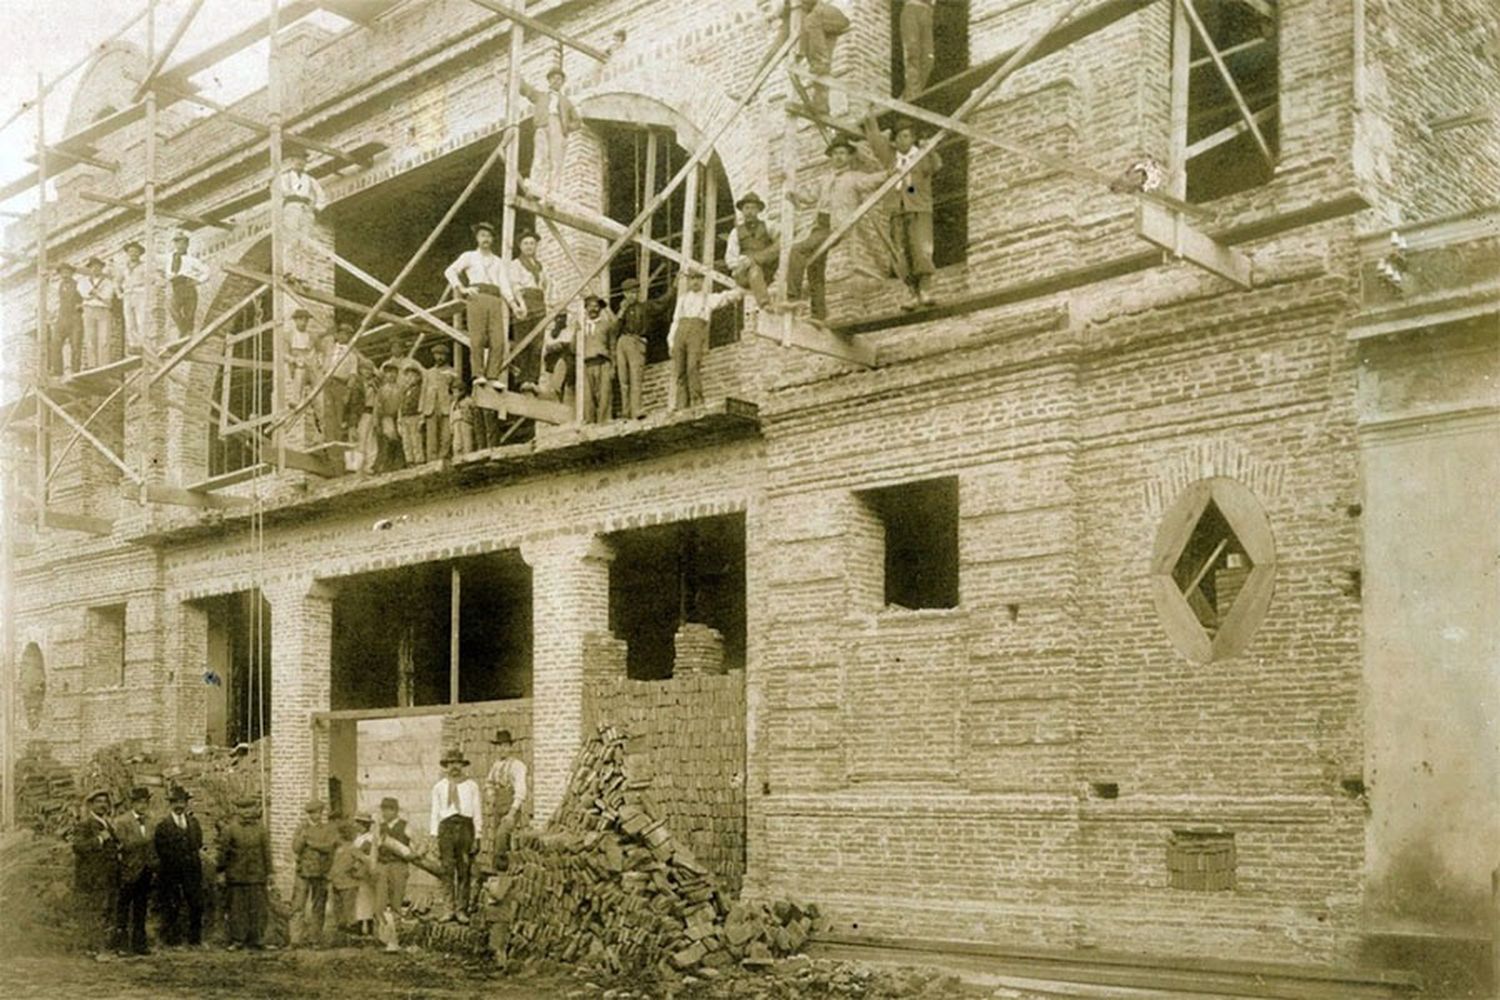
x: 505, y: 793
x: 837, y: 199
x: 456, y: 819
x: 179, y: 839
x: 245, y: 865
x: 132, y: 283
x: 911, y: 222
x: 481, y: 279
x: 313, y: 844
x: 138, y: 863
x: 96, y: 871
x: 636, y: 318
x: 555, y: 119
x: 596, y: 336
x: 439, y: 391
x: 185, y: 273
x: 753, y: 250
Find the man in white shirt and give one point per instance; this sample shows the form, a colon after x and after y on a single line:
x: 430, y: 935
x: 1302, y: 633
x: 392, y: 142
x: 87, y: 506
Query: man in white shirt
x: 533, y: 289
x: 456, y: 820
x: 481, y: 279
x: 98, y: 292
x: 688, y: 337
x: 133, y: 294
x: 505, y: 795
x: 184, y: 274
x: 302, y: 197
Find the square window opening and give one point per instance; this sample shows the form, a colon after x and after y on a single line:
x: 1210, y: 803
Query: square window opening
x: 105, y: 636
x: 919, y: 524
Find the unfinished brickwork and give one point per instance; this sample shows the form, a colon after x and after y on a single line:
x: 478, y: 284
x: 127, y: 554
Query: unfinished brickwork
x: 1011, y: 769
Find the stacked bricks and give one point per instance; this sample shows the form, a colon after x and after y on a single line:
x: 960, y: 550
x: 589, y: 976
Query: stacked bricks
x: 697, y: 649
x: 471, y: 730
x: 688, y: 741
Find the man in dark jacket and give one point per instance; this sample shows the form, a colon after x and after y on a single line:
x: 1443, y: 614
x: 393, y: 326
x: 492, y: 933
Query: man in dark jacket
x: 179, y: 838
x: 96, y: 871
x: 245, y: 864
x: 138, y: 863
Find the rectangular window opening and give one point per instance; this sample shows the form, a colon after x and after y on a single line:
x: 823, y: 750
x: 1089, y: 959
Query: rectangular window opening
x: 105, y: 637
x: 919, y: 522
x: 1201, y: 860
x: 1221, y: 153
x: 237, y: 675
x: 394, y: 634
x: 670, y: 574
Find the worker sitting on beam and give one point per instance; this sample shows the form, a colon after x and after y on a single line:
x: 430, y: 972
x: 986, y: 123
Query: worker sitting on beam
x: 753, y: 250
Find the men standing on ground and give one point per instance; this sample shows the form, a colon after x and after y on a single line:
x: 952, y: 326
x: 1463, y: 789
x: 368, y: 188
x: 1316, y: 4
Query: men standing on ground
x: 530, y: 282
x: 911, y: 223
x: 313, y: 843
x: 505, y: 792
x: 245, y: 864
x: 184, y: 274
x: 67, y: 323
x: 457, y: 822
x: 481, y: 279
x: 97, y: 291
x: 689, y: 334
x: 132, y: 280
x: 96, y: 872
x: 179, y: 838
x: 555, y: 119
x: 838, y: 198
x: 138, y: 863
x: 438, y: 385
x: 753, y: 250
x: 395, y: 844
x: 916, y: 47
x: 597, y: 333
x: 636, y: 316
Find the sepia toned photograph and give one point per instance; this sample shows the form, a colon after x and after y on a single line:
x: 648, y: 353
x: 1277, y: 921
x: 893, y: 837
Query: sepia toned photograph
x: 763, y: 499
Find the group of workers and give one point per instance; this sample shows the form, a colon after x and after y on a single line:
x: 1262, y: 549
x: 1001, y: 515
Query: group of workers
x: 350, y: 874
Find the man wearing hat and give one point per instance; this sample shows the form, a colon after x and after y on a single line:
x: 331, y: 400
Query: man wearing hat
x: 132, y: 282
x: 300, y: 355
x: 688, y: 337
x: 911, y: 223
x: 837, y: 199
x: 457, y: 822
x: 636, y: 317
x: 313, y: 844
x: 341, y: 363
x: 505, y: 796
x: 98, y: 294
x: 67, y: 323
x: 533, y: 287
x: 439, y: 388
x: 245, y: 864
x: 481, y: 279
x: 138, y: 861
x: 753, y: 249
x: 96, y: 871
x: 184, y: 274
x: 302, y: 197
x: 555, y: 119
x: 178, y: 839
x: 395, y: 848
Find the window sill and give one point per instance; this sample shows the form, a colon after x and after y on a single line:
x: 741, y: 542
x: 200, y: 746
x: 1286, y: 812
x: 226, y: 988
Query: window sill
x: 893, y: 616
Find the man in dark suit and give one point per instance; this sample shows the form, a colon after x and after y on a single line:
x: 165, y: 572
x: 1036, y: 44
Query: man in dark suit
x: 179, y: 838
x: 245, y: 863
x: 137, y: 865
x: 96, y: 871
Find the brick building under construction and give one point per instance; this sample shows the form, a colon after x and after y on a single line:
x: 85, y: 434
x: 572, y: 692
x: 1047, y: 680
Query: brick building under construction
x: 1134, y: 600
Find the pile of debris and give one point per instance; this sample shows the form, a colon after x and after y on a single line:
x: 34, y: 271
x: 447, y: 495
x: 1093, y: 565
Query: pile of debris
x: 36, y: 879
x: 607, y: 885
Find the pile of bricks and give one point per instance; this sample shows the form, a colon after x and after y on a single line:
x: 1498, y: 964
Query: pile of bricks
x: 608, y: 885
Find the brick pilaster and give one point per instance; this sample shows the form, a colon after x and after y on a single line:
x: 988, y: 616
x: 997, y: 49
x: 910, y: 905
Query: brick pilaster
x: 570, y: 598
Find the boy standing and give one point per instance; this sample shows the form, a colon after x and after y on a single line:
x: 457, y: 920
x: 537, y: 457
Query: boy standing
x: 438, y: 383
x: 312, y: 853
x: 410, y: 419
x: 395, y: 845
x: 245, y: 864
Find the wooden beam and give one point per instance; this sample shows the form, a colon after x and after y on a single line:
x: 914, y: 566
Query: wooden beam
x: 1171, y: 232
x: 541, y: 28
x: 178, y: 75
x: 202, y: 221
x: 607, y: 229
x: 167, y: 49
x: 256, y: 125
x: 455, y: 584
x: 442, y: 325
x: 361, y: 12
x: 78, y: 156
x: 1264, y: 8
x: 307, y: 462
x: 522, y: 404
x: 202, y: 335
x: 1229, y: 81
x: 160, y: 493
x: 323, y: 298
x: 791, y: 330
x: 83, y: 432
x: 1245, y: 46
x: 234, y: 478
x: 1227, y: 134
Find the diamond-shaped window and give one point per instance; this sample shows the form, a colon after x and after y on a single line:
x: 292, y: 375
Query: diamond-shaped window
x: 1213, y: 569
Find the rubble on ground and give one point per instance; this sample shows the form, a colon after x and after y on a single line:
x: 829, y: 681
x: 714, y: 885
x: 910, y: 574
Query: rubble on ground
x: 36, y: 882
x: 608, y: 886
x: 796, y: 978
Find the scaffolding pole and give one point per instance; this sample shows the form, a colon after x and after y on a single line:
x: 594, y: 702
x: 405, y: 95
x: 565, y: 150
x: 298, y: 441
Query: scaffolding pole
x: 43, y: 335
x: 788, y: 179
x: 278, y: 239
x: 479, y: 366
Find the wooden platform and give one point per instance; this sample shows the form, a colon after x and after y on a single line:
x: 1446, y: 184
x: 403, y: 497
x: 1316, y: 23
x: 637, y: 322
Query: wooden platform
x: 522, y: 404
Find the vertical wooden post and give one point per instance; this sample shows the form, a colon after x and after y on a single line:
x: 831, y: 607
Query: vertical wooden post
x: 9, y: 684
x: 1182, y: 57
x: 149, y: 334
x: 689, y: 217
x: 278, y: 241
x: 43, y: 416
x: 512, y: 158
x: 788, y: 177
x: 454, y: 594
x: 643, y: 265
x: 710, y: 216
